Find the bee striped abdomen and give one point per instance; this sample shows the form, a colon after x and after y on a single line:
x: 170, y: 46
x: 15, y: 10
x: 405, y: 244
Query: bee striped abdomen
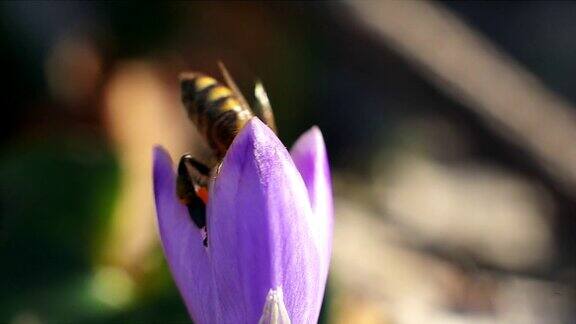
x: 219, y: 113
x: 214, y: 109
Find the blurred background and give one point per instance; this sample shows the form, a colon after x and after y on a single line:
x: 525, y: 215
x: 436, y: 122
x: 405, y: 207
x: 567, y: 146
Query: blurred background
x: 450, y: 127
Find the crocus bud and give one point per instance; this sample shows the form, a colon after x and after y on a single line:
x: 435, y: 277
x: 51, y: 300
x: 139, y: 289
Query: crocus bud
x: 269, y: 223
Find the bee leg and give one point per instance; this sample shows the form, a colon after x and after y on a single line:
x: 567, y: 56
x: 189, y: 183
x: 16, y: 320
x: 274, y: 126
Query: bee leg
x: 262, y: 108
x: 192, y: 179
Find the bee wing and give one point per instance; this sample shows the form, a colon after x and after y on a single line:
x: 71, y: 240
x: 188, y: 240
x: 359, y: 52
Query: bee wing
x: 262, y: 107
x: 232, y: 85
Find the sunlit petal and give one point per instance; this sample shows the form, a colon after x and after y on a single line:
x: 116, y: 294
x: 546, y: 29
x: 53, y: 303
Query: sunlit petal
x: 309, y: 156
x: 260, y: 232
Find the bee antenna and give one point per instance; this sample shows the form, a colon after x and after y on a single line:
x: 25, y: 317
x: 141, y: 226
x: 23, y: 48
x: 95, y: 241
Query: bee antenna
x: 232, y: 85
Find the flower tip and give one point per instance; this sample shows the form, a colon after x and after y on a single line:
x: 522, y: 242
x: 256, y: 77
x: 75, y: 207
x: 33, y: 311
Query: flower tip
x: 315, y: 130
x: 313, y: 136
x: 254, y: 134
x: 309, y: 149
x: 162, y: 173
x: 256, y: 129
x: 160, y: 154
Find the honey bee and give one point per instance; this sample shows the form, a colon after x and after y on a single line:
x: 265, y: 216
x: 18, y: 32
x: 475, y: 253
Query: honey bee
x: 219, y: 112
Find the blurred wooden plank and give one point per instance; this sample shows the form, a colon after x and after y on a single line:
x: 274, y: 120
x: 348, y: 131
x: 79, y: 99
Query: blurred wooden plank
x: 469, y: 68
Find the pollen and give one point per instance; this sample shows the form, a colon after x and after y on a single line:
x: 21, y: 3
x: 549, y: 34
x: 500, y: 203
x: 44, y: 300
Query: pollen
x: 203, y: 194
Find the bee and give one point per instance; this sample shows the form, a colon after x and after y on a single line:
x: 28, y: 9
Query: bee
x: 219, y: 112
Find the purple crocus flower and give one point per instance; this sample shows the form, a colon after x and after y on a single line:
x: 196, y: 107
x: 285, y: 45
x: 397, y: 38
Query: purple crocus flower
x: 269, y: 228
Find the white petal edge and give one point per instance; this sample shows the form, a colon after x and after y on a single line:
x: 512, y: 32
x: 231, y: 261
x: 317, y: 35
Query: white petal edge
x: 274, y: 311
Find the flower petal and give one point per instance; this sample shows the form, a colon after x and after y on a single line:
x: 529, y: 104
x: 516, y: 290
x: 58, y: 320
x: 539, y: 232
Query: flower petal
x: 309, y: 156
x: 259, y: 231
x: 182, y: 243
